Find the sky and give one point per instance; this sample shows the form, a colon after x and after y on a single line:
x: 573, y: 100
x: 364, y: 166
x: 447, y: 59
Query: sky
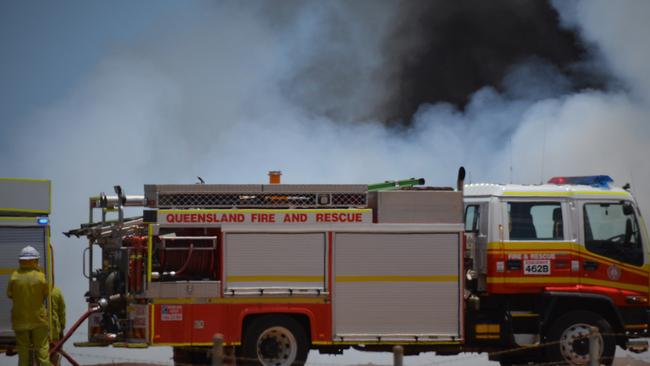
x: 95, y: 94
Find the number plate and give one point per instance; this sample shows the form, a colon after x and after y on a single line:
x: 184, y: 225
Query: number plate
x: 537, y: 267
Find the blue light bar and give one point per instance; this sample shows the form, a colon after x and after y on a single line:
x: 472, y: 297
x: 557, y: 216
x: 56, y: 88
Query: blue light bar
x: 43, y: 220
x: 599, y: 181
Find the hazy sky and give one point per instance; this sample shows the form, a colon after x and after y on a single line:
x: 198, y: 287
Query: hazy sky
x: 94, y: 94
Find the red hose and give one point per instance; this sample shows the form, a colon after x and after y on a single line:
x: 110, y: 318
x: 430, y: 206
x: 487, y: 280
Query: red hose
x: 68, y: 357
x: 72, y: 329
x: 187, y: 261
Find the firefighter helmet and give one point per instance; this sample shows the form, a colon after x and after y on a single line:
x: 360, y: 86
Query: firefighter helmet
x: 29, y: 253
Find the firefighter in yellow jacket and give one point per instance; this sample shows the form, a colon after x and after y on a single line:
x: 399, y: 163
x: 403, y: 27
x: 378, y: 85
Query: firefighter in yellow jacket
x: 28, y: 290
x: 58, y: 321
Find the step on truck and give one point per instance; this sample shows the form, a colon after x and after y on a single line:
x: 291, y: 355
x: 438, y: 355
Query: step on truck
x: 24, y: 220
x: 522, y: 272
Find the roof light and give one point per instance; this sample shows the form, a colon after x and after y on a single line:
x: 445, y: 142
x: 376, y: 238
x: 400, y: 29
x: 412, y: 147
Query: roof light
x: 601, y: 181
x: 43, y: 220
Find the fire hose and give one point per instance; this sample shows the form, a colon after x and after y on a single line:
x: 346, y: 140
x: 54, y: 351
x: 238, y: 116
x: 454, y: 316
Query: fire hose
x: 57, y: 348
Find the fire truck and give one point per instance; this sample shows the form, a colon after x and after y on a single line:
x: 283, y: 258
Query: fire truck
x: 24, y: 220
x: 520, y: 271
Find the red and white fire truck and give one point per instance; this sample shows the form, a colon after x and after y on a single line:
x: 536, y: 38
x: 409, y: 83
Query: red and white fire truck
x: 280, y: 269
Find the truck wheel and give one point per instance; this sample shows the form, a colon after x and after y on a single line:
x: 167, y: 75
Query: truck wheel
x: 569, y: 343
x: 274, y: 340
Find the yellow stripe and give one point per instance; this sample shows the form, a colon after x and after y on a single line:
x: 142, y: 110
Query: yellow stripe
x: 276, y: 278
x: 252, y: 210
x: 18, y: 219
x: 548, y: 279
x: 563, y: 194
x: 441, y: 278
x: 487, y: 328
x: 149, y: 250
x: 541, y: 246
x: 524, y: 315
x: 478, y: 336
x: 27, y: 180
x: 9, y: 209
x: 642, y: 271
x: 7, y: 271
x: 547, y: 247
x: 219, y: 300
x: 636, y: 326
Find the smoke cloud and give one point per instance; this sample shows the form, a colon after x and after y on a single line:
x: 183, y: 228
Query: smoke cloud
x: 354, y: 92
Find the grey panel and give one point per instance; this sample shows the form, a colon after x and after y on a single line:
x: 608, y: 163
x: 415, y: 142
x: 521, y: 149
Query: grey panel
x: 444, y: 207
x: 200, y: 188
x: 396, y: 254
x: 12, y: 240
x: 24, y: 195
x: 396, y: 283
x: 275, y: 260
x: 184, y: 289
x: 407, y: 308
x: 315, y: 188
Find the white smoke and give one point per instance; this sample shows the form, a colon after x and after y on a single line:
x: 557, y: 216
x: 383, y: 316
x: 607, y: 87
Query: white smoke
x: 225, y: 100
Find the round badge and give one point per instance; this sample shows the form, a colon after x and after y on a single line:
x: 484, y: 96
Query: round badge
x: 613, y: 272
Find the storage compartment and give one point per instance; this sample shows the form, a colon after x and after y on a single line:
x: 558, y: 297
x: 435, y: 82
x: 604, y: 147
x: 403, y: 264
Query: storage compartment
x: 397, y: 286
x: 417, y: 207
x: 274, y: 263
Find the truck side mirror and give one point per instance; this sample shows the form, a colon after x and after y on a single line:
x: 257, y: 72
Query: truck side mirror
x: 628, y: 209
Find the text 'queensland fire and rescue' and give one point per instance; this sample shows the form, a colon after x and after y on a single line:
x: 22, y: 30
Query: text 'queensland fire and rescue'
x: 264, y: 217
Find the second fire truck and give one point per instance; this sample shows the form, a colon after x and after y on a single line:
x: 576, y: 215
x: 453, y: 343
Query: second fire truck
x: 520, y: 271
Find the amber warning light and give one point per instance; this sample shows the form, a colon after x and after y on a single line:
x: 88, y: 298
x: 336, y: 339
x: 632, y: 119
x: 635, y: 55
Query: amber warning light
x: 274, y: 176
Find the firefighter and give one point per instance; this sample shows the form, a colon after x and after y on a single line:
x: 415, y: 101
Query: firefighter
x: 28, y: 290
x: 58, y: 321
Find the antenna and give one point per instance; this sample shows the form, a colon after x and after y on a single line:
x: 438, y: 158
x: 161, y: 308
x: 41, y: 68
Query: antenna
x: 510, y: 144
x: 541, y: 173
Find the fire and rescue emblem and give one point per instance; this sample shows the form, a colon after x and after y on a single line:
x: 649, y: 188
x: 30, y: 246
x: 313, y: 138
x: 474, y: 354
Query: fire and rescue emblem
x: 613, y: 272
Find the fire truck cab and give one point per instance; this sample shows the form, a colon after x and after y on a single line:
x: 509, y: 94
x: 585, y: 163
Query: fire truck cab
x: 552, y: 260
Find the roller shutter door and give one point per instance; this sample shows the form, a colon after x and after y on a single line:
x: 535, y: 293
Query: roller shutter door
x: 12, y: 240
x: 396, y: 285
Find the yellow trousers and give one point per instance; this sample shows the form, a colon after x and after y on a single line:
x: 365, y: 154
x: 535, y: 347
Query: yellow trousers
x: 36, y: 339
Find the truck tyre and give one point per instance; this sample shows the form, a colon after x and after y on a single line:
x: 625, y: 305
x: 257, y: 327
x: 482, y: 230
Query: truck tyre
x: 274, y: 340
x: 567, y: 341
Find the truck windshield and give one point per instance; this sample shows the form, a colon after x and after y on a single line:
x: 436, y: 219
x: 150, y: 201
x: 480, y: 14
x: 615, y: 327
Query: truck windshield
x: 612, y: 230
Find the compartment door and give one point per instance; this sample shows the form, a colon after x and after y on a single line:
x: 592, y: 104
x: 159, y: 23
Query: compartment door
x: 259, y: 263
x: 396, y: 286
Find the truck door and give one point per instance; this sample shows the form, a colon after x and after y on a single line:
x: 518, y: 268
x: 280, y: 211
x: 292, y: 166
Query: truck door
x: 612, y: 257
x: 477, y: 225
x: 536, y: 250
